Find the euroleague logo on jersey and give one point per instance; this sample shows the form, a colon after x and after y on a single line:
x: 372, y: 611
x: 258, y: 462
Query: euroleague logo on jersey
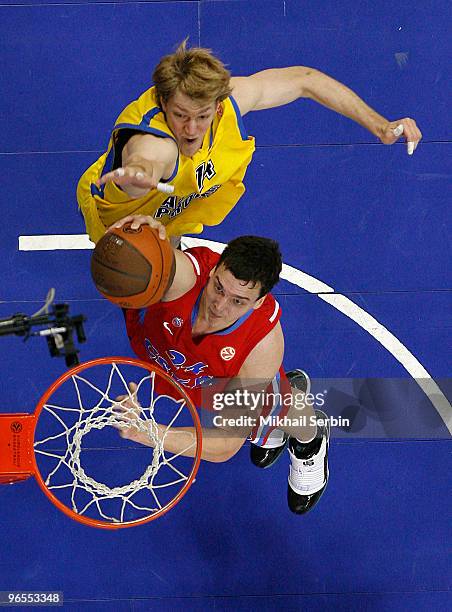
x: 227, y: 353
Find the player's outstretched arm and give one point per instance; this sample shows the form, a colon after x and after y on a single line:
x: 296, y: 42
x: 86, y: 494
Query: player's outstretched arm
x: 146, y: 160
x: 217, y: 445
x: 222, y: 442
x: 279, y: 86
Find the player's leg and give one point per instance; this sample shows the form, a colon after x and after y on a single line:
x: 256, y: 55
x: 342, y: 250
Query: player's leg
x: 307, y: 433
x: 308, y: 448
x: 265, y: 451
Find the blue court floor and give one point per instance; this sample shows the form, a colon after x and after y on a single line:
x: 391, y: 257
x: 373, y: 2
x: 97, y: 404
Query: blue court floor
x: 368, y: 221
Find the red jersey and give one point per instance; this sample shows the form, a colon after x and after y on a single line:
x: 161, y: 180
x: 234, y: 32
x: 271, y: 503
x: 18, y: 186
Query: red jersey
x: 162, y: 334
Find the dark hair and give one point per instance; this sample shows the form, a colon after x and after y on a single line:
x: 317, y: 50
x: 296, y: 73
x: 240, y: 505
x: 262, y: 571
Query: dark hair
x: 253, y: 259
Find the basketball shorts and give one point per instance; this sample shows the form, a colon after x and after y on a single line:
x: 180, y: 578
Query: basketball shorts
x: 276, y: 405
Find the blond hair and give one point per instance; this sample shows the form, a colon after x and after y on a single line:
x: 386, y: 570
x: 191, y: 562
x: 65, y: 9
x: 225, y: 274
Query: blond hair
x: 195, y: 72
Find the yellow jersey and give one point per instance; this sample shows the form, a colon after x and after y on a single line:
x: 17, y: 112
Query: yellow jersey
x: 206, y: 186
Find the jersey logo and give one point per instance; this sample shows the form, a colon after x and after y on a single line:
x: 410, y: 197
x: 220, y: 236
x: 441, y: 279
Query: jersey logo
x: 177, y: 322
x: 203, y: 171
x: 190, y: 375
x: 227, y: 353
x: 175, y: 205
x: 167, y: 327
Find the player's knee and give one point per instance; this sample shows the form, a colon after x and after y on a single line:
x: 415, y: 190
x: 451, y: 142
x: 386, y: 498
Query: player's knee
x: 227, y: 451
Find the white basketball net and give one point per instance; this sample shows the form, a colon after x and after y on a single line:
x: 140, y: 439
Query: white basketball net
x: 107, y: 411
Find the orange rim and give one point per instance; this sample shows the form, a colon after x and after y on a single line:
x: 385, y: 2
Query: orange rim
x: 196, y: 460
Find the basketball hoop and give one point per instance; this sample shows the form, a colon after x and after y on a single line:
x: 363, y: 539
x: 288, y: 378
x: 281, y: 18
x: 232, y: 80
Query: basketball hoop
x: 71, y: 444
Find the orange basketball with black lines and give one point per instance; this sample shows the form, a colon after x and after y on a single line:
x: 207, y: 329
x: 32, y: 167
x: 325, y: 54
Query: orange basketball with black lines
x: 132, y: 268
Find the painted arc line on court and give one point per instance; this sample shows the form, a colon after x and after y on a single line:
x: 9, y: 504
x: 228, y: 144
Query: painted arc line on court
x: 309, y: 284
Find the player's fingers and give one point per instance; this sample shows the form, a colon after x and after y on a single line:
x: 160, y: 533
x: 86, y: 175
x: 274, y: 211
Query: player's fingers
x: 133, y: 392
x: 120, y: 176
x: 398, y: 131
x: 147, y: 174
x: 123, y: 430
x: 106, y: 178
x: 140, y: 179
x: 161, y: 230
x: 410, y: 131
x: 148, y: 220
x: 153, y: 183
x: 138, y: 220
x: 124, y: 401
x: 119, y: 223
x: 120, y: 408
x: 129, y: 175
x: 413, y: 135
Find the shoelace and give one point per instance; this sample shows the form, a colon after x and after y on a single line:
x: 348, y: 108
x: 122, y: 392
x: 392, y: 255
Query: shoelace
x: 307, y: 476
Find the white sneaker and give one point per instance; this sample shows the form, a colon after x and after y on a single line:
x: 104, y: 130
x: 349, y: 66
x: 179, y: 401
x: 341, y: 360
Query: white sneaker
x: 309, y: 473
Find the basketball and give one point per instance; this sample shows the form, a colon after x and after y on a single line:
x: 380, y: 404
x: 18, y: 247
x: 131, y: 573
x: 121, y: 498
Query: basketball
x: 132, y: 268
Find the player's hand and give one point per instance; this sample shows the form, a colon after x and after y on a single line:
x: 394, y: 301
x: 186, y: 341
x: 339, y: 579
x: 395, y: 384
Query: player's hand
x: 128, y: 408
x: 137, y: 220
x: 144, y: 175
x: 407, y: 128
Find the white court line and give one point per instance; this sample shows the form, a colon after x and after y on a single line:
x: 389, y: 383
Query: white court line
x: 54, y: 242
x: 309, y: 284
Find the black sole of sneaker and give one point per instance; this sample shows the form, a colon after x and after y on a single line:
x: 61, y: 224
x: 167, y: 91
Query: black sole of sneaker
x: 266, y: 457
